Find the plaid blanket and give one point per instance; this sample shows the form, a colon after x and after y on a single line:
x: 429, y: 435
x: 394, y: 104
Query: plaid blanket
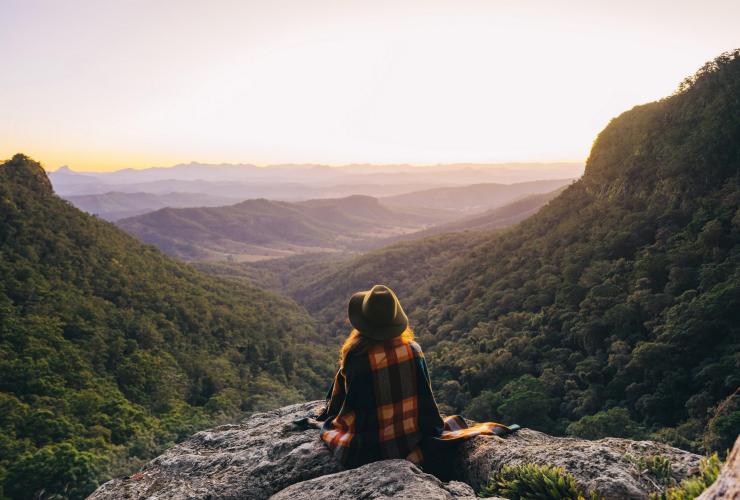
x: 381, y: 406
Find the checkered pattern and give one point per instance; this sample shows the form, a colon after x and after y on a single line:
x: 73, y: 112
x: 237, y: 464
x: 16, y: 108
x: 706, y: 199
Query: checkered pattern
x: 381, y: 406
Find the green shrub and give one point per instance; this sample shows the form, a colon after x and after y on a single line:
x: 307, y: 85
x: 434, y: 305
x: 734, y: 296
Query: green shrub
x: 692, y: 487
x: 54, y: 472
x: 658, y: 466
x: 533, y: 481
x: 615, y: 422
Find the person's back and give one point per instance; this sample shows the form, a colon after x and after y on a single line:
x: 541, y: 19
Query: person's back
x: 380, y: 405
x: 387, y: 405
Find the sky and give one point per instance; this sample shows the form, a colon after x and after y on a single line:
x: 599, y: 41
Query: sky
x: 108, y: 84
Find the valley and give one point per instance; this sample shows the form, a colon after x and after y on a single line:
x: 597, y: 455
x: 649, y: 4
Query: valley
x: 605, y: 306
x: 259, y: 229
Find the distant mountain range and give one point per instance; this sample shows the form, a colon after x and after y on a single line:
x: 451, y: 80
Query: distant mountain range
x: 301, y: 182
x: 115, y: 205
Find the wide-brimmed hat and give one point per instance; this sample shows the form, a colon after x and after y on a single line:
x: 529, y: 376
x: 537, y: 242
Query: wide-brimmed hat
x: 377, y: 313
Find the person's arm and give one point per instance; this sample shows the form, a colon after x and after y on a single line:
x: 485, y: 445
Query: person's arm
x: 430, y: 421
x: 334, y: 398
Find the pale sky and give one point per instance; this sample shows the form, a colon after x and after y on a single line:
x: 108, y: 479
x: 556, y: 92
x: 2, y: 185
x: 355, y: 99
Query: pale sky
x: 102, y: 85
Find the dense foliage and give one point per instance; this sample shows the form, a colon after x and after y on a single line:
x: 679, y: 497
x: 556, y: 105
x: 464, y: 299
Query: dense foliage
x: 110, y: 351
x: 615, y: 310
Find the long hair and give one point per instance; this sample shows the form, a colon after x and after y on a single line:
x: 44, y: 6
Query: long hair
x: 356, y: 343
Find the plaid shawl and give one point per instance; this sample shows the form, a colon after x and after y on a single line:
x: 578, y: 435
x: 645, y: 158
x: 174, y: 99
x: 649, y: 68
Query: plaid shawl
x: 381, y: 406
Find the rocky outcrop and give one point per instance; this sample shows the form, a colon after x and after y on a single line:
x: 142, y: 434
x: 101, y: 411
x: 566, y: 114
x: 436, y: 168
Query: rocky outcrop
x: 606, y: 466
x: 266, y: 455
x: 253, y: 459
x: 727, y: 485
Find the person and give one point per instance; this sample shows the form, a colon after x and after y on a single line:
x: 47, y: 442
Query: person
x: 380, y: 404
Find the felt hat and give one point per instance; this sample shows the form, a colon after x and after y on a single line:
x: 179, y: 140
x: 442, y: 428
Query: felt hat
x: 377, y: 314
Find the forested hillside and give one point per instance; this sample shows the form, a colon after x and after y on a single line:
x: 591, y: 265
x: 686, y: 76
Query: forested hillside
x: 615, y: 310
x: 624, y: 294
x: 474, y: 198
x: 263, y: 228
x: 111, y: 351
x: 324, y: 285
x: 495, y: 218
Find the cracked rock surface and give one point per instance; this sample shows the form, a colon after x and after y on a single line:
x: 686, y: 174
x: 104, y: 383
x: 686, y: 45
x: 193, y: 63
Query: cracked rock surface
x: 266, y: 456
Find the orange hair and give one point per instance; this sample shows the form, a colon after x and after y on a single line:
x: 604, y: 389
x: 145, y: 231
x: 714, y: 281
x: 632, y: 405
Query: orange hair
x: 357, y: 343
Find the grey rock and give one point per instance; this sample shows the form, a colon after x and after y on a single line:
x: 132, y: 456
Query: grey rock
x: 727, y: 485
x: 250, y: 460
x: 606, y: 466
x: 379, y: 480
x: 267, y: 455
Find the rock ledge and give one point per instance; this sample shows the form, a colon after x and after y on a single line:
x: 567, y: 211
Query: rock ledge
x: 266, y: 456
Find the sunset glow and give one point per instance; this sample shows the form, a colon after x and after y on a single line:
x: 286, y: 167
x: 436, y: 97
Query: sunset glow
x: 106, y: 85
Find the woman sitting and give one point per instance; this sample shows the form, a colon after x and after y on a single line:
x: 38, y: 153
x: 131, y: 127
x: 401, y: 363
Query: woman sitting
x: 380, y: 405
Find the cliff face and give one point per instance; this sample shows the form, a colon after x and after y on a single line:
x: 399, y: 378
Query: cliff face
x: 727, y: 485
x: 265, y: 456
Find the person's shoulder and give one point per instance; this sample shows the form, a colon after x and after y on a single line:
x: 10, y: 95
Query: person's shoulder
x: 416, y: 348
x: 356, y: 362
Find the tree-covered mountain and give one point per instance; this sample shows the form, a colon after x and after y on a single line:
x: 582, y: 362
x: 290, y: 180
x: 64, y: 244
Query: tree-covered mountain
x: 111, y: 351
x: 615, y: 310
x: 264, y: 228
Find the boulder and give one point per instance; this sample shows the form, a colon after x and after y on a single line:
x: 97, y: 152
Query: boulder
x: 607, y: 466
x: 266, y: 455
x: 386, y: 479
x: 253, y: 459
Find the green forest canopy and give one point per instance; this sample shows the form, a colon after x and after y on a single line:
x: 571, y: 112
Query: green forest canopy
x: 111, y: 351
